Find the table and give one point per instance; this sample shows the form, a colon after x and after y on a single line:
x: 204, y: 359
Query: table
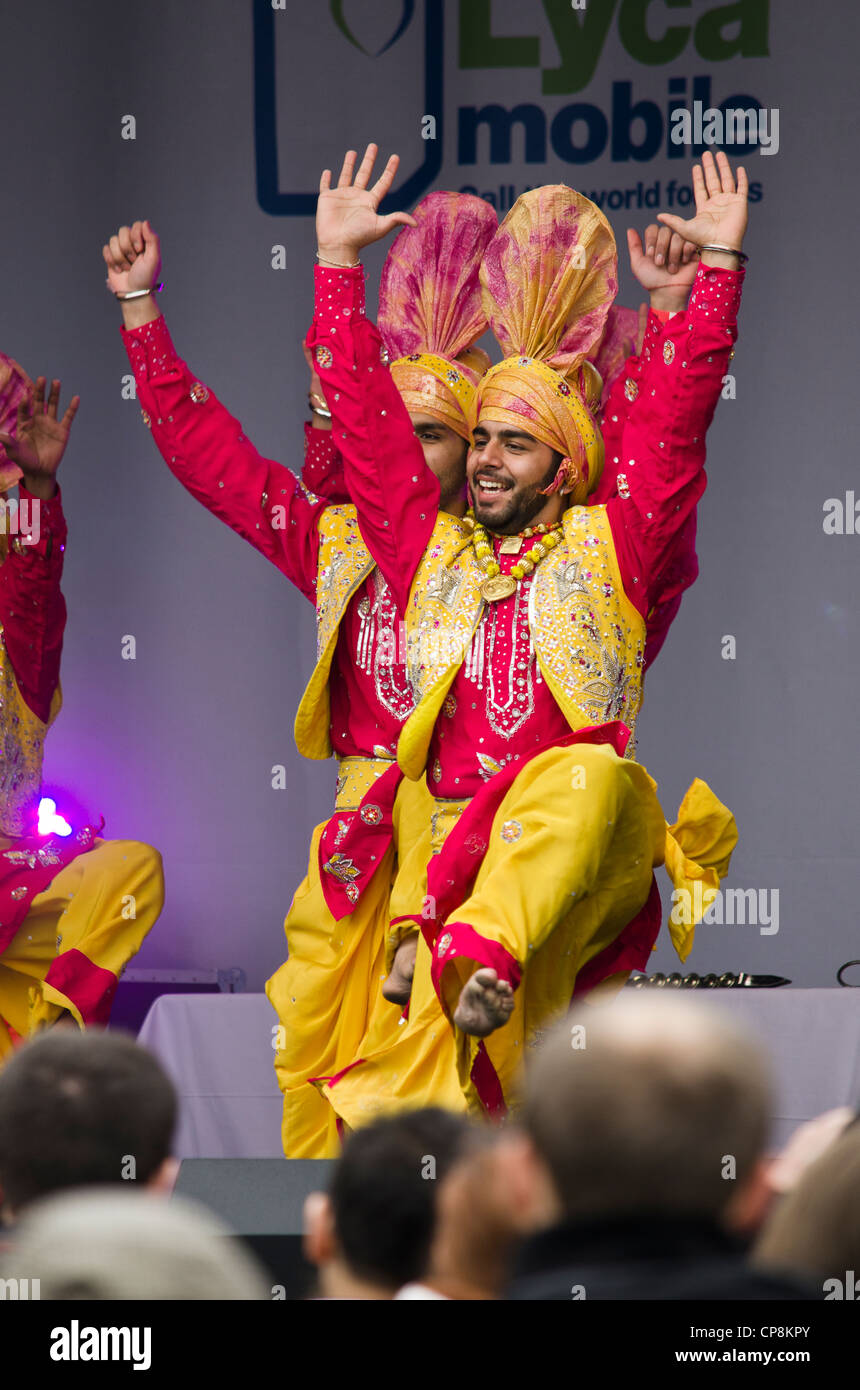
x: 218, y: 1050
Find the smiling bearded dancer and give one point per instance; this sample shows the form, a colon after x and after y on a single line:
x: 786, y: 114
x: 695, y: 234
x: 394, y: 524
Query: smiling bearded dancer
x: 546, y: 831
x: 664, y: 267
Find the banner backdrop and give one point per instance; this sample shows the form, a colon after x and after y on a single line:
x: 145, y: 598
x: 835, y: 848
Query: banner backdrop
x: 214, y: 118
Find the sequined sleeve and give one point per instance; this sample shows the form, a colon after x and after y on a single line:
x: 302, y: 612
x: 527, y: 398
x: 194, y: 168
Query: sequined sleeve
x: 661, y: 474
x: 396, y: 494
x: 32, y: 608
x: 612, y: 422
x: 205, y: 447
x: 322, y: 470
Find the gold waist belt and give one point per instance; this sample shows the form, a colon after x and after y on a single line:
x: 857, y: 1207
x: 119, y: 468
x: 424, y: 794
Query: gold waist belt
x: 355, y: 777
x: 446, y: 812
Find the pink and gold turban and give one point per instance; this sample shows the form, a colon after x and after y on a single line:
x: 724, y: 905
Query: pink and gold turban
x: 549, y: 277
x: 430, y: 309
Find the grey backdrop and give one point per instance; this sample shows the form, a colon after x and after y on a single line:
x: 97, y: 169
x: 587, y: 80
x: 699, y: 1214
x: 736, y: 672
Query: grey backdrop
x: 176, y: 747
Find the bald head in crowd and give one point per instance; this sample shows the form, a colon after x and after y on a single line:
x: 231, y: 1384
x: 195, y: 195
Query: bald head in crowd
x: 656, y: 1105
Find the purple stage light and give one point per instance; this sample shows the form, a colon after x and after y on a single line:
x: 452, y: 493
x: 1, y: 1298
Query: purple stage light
x: 49, y: 822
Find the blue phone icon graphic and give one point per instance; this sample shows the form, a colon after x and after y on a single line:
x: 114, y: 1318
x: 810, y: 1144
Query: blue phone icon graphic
x: 281, y: 202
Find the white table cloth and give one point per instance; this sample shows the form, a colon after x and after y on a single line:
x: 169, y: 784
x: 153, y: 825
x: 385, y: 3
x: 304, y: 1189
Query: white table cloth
x: 218, y: 1049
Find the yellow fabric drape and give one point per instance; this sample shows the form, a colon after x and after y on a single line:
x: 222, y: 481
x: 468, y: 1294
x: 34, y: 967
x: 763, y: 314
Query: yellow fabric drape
x: 81, y: 909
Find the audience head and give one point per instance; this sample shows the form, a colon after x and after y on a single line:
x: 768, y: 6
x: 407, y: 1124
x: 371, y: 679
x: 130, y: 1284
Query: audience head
x: 107, y: 1243
x: 475, y: 1236
x: 653, y: 1105
x: 372, y: 1232
x: 82, y: 1108
x: 815, y: 1230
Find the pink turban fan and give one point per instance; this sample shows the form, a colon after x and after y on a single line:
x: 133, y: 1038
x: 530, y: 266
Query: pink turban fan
x: 430, y: 309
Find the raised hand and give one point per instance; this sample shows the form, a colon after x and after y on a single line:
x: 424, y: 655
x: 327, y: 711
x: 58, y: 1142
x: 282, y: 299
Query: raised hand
x: 347, y: 216
x: 721, y: 205
x: 133, y: 259
x: 665, y: 261
x: 40, y: 439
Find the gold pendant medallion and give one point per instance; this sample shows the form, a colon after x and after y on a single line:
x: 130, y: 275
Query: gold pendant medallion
x: 500, y: 586
x: 511, y: 545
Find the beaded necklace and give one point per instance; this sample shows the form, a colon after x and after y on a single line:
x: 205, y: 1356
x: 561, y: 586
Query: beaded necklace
x: 497, y: 585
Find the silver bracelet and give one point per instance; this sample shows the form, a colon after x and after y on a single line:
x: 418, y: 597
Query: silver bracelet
x: 727, y: 250
x: 139, y: 294
x: 316, y: 410
x: 338, y: 265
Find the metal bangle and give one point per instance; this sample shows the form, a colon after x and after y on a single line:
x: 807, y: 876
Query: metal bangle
x: 139, y: 294
x: 339, y: 265
x: 728, y: 250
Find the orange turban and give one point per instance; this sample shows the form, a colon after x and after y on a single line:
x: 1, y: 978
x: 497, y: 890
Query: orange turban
x: 549, y: 277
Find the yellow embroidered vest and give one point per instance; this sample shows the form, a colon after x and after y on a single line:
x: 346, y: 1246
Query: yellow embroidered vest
x: 344, y: 562
x: 588, y: 637
x: 22, y: 738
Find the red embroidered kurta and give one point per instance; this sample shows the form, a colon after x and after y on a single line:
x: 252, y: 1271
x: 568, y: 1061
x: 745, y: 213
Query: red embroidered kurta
x: 323, y: 473
x: 503, y: 709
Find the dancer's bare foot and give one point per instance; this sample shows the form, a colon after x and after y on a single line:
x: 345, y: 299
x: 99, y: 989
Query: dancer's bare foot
x: 486, y: 1003
x: 398, y: 985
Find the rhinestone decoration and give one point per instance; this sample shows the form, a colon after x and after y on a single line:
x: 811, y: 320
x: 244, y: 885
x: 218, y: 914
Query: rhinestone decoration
x: 371, y: 815
x: 444, y: 943
x: 631, y: 389
x: 668, y: 352
x: 323, y: 356
x: 146, y: 418
x: 198, y: 393
x: 511, y: 831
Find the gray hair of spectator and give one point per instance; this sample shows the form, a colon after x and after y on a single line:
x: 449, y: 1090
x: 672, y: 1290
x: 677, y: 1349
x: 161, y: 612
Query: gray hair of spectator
x: 104, y: 1243
x: 666, y: 1097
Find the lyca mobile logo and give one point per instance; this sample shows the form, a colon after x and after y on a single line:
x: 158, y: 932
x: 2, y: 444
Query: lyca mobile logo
x: 632, y: 127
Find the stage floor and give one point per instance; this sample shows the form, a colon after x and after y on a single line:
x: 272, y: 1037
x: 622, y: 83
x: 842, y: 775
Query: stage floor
x: 219, y: 1050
